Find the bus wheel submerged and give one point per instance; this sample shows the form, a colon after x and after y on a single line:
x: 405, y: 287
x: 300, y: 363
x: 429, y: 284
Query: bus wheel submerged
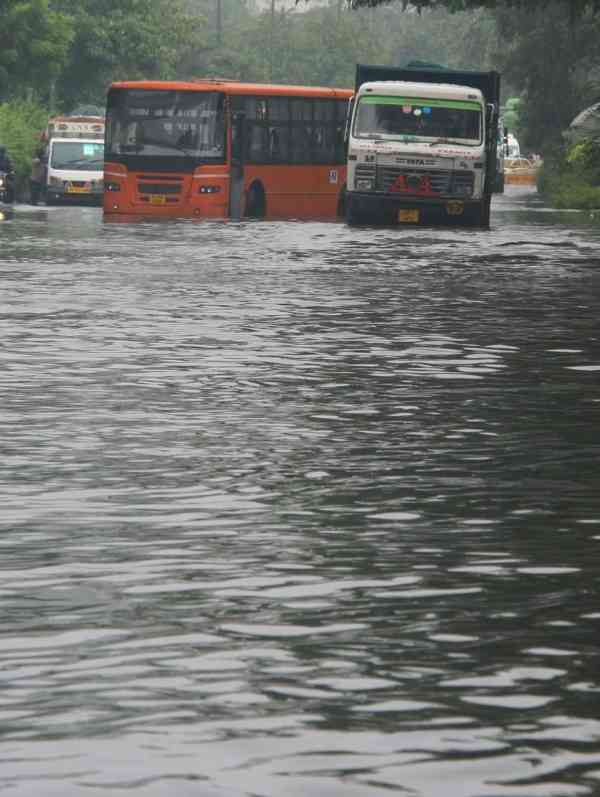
x: 256, y: 202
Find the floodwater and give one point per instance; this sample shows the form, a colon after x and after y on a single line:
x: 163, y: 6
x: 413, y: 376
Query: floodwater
x: 299, y: 510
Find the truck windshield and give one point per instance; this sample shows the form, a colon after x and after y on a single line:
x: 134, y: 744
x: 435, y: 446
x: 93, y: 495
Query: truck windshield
x: 426, y: 120
x: 177, y: 124
x: 77, y: 155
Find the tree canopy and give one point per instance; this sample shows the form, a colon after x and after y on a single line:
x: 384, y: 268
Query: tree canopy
x: 62, y: 53
x: 34, y: 44
x: 572, y: 7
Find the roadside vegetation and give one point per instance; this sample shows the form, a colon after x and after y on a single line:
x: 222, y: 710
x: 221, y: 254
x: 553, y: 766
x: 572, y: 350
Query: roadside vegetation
x: 570, y: 177
x: 20, y: 124
x: 58, y: 54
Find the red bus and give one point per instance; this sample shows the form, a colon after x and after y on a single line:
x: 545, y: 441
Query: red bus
x: 224, y: 149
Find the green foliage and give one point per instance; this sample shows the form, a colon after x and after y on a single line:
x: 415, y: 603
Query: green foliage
x: 320, y: 45
x: 34, y: 42
x: 66, y: 52
x: 571, y: 178
x: 572, y: 8
x: 584, y: 159
x: 122, y: 39
x: 21, y: 123
x: 512, y: 115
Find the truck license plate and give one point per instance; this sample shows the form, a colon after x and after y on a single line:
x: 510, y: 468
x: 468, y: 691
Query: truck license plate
x: 455, y: 208
x: 408, y: 216
x: 78, y: 189
x: 157, y: 199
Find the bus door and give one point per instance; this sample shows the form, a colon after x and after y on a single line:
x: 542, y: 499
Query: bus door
x: 236, y: 179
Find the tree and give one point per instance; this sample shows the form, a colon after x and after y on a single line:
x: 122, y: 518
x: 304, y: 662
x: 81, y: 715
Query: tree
x: 123, y: 39
x: 572, y: 8
x: 34, y: 44
x: 552, y: 59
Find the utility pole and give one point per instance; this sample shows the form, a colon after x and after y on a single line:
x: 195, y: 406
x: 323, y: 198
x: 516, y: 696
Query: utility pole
x: 219, y: 23
x: 52, y: 95
x: 271, y: 38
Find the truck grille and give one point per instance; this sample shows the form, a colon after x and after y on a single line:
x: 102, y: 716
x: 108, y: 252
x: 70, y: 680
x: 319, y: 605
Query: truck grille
x: 392, y: 179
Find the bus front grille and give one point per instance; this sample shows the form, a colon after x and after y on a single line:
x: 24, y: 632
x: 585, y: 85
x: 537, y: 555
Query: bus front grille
x: 159, y: 188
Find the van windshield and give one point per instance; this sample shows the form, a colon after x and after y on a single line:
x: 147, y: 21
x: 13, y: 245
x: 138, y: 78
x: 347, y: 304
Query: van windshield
x: 412, y: 119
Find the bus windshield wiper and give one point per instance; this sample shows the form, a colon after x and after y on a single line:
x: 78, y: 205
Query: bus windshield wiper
x: 141, y: 145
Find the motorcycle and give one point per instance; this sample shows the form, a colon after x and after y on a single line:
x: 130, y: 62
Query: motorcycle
x: 7, y: 187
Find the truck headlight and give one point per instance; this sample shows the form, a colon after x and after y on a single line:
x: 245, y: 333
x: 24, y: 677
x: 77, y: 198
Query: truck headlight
x: 1, y: 182
x: 364, y: 184
x: 55, y: 181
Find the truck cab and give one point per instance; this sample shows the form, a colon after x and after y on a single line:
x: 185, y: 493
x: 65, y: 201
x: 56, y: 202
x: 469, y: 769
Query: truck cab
x: 74, y: 160
x: 420, y: 149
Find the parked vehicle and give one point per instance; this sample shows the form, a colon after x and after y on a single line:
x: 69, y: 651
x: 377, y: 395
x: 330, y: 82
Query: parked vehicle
x: 74, y: 159
x: 422, y: 145
x: 522, y: 171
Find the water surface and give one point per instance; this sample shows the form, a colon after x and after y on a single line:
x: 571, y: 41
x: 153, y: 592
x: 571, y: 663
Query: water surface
x: 300, y: 509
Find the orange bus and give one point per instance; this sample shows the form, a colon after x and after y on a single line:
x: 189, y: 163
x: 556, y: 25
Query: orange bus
x: 224, y: 149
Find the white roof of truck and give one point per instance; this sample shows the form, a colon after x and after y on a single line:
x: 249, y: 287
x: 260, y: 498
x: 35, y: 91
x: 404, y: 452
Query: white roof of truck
x: 75, y: 126
x: 434, y: 91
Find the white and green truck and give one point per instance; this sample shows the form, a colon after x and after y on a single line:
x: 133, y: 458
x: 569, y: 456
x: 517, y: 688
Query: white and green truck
x: 422, y: 145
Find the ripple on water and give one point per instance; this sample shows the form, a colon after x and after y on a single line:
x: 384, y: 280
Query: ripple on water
x: 299, y: 509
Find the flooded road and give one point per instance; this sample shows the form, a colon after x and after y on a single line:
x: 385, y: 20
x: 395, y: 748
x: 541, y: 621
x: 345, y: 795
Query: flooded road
x: 298, y: 509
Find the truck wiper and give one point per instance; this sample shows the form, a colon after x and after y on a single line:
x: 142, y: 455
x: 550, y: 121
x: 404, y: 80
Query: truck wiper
x: 73, y: 161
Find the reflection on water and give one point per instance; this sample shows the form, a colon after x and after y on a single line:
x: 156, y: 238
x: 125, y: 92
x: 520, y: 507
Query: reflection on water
x: 300, y: 509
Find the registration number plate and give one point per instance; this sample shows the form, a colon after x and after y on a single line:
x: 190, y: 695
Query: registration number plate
x: 455, y: 208
x: 78, y: 189
x: 408, y: 216
x: 157, y: 199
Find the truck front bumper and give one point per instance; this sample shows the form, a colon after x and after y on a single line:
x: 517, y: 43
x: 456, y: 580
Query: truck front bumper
x: 398, y: 207
x: 74, y: 194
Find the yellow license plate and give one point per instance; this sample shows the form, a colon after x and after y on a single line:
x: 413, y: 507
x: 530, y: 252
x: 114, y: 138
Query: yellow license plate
x: 77, y: 189
x: 455, y: 208
x: 157, y: 199
x: 408, y: 216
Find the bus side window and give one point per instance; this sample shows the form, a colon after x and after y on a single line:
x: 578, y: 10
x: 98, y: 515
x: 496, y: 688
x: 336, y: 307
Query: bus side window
x: 324, y: 131
x: 257, y: 130
x: 279, y: 114
x: 302, y: 130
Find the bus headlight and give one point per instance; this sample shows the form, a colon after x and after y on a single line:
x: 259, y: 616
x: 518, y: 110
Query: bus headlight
x: 112, y: 186
x: 209, y: 189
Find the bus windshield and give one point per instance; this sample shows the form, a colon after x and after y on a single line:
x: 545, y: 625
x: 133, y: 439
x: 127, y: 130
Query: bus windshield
x: 427, y: 120
x: 177, y: 124
x: 77, y: 155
